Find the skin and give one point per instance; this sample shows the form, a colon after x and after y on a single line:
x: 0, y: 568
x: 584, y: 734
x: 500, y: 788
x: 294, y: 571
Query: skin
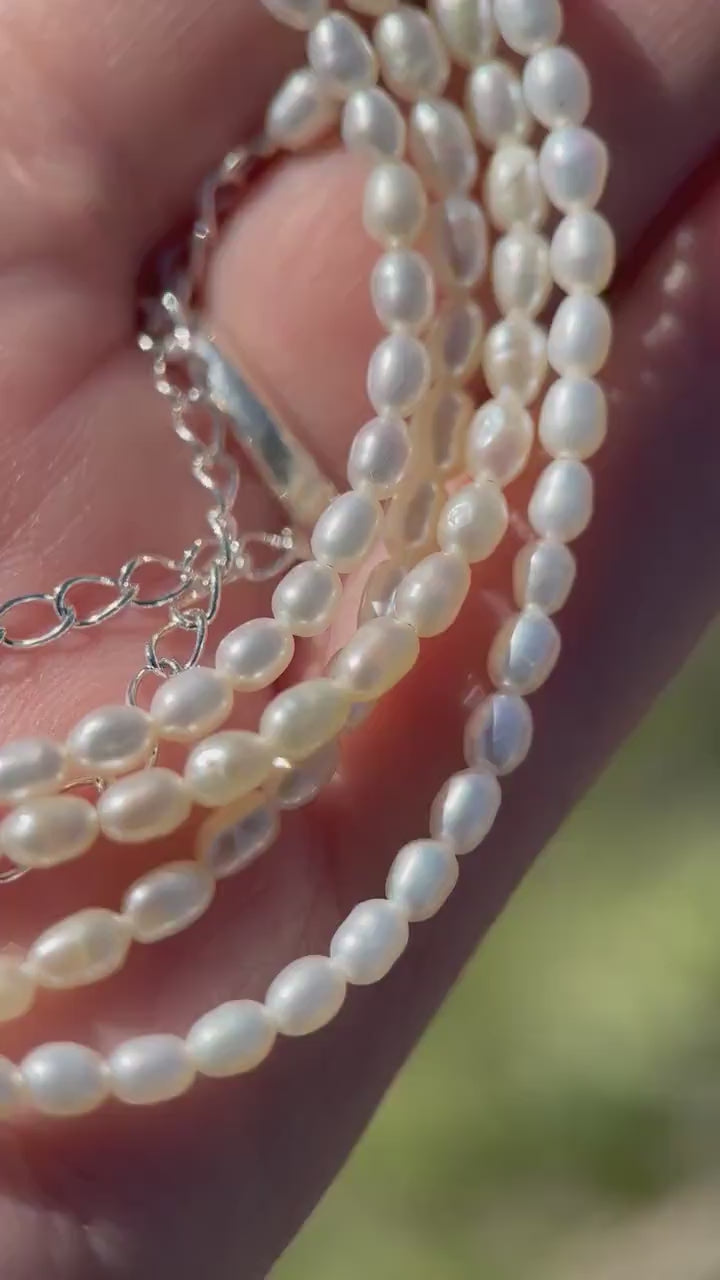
x: 109, y: 117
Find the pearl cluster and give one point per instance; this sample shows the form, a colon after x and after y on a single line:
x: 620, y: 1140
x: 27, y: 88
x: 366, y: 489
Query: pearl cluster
x: 423, y: 155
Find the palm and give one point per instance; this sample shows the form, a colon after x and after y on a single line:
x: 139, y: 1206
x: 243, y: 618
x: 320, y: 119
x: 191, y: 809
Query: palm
x: 108, y: 124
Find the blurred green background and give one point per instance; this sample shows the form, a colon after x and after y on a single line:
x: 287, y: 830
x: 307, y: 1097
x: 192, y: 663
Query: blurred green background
x: 561, y: 1119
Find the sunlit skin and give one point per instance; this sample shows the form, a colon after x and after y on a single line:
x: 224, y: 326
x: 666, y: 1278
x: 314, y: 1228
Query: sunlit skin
x: 110, y: 115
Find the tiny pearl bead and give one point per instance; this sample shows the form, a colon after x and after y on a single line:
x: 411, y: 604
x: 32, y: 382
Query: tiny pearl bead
x: 112, y: 740
x: 375, y: 659
x: 399, y: 374
x: 79, y: 950
x: 30, y: 767
x: 580, y: 336
x: 527, y: 25
x: 573, y: 168
x: 495, y: 105
x: 403, y: 290
x: 373, y: 126
x: 513, y: 189
x: 301, y: 112
x: 521, y: 275
x: 413, y: 61
x: 369, y: 941
x: 17, y: 991
x: 543, y: 575
x: 422, y: 877
x: 515, y: 357
x: 230, y: 1040
x: 227, y: 850
x: 191, y: 704
x: 460, y: 241
x: 573, y: 418
x: 150, y: 1069
x: 306, y: 995
x: 468, y: 28
x: 341, y: 55
x: 430, y: 598
x: 306, y: 599
x: 255, y: 654
x: 12, y: 1094
x: 49, y: 830
x: 144, y: 806
x: 456, y: 339
x: 380, y: 456
x: 379, y: 591
x: 499, y: 440
x: 346, y: 531
x: 524, y: 652
x: 411, y: 519
x: 167, y: 900
x: 301, y: 14
x: 465, y: 809
x: 499, y: 733
x: 302, y: 719
x: 302, y: 782
x: 582, y: 254
x: 474, y: 520
x: 442, y: 147
x: 557, y: 87
x: 562, y: 503
x: 394, y: 204
x: 439, y: 429
x: 64, y: 1079
x: 227, y: 766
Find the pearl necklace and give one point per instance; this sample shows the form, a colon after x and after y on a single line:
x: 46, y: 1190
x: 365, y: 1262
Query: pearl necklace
x: 425, y: 435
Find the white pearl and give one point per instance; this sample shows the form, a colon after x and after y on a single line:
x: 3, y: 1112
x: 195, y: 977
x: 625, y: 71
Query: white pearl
x: 456, y: 339
x: 302, y: 782
x: 465, y: 809
x: 231, y: 1039
x: 301, y: 14
x: 422, y: 877
x: 254, y: 655
x: 150, y: 1069
x: 543, y: 575
x: 112, y: 740
x: 17, y: 989
x: 49, y: 830
x: 12, y: 1093
x: 341, y: 55
x: 191, y: 704
x: 399, y: 374
x: 499, y: 733
x: 499, y: 440
x: 573, y: 167
x: 515, y: 357
x: 580, y: 336
x: 403, y: 290
x: 229, y: 849
x: 144, y: 806
x: 432, y: 594
x: 167, y: 900
x: 413, y: 61
x: 379, y: 590
x: 79, y: 950
x: 346, y: 531
x: 442, y: 148
x: 369, y: 941
x: 562, y: 503
x: 379, y: 456
x: 30, y: 767
x: 227, y: 766
x: 527, y: 25
x: 301, y: 112
x: 306, y: 598
x: 474, y: 520
x: 439, y: 429
x: 306, y: 995
x: 524, y: 652
x: 376, y: 658
x: 468, y: 28
x: 411, y: 519
x: 521, y: 275
x: 64, y: 1079
x: 460, y: 241
x: 513, y: 189
x: 573, y: 418
x: 302, y: 719
x: 557, y: 87
x: 582, y: 254
x: 394, y: 203
x: 373, y: 126
x: 495, y: 105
